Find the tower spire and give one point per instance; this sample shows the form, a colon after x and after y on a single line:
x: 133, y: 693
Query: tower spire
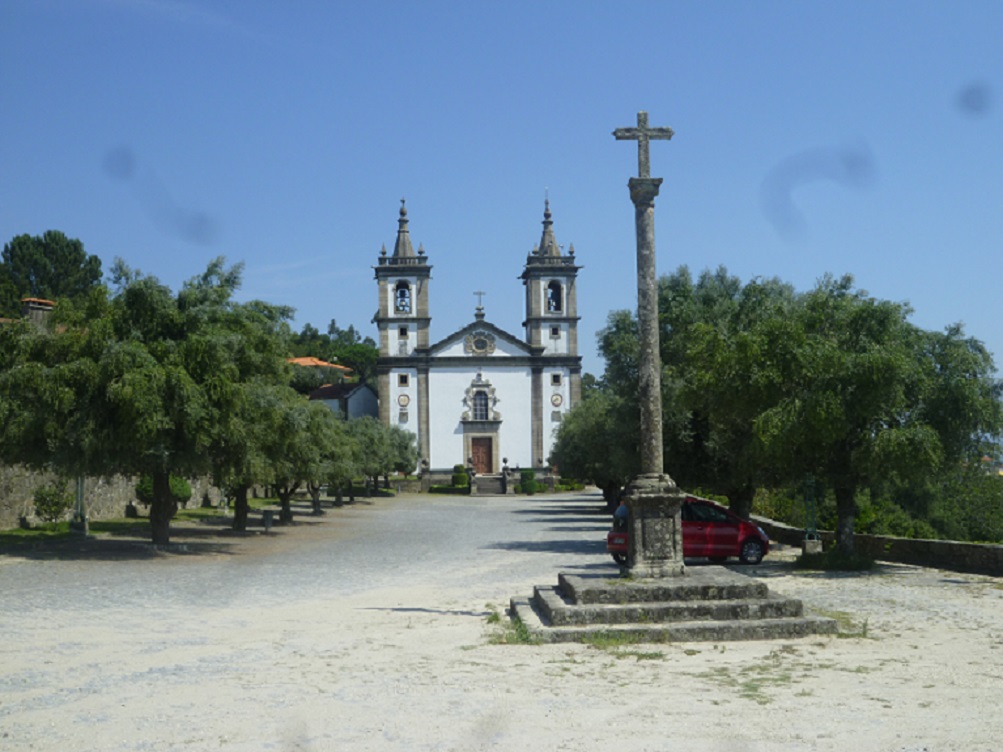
x: 548, y: 244
x: 403, y: 248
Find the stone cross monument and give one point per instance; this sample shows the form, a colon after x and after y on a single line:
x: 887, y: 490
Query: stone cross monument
x: 656, y: 544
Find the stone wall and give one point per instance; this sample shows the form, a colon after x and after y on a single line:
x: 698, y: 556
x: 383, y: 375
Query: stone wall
x: 980, y: 558
x: 104, y: 497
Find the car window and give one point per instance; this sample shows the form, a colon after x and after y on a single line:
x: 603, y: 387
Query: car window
x: 708, y: 513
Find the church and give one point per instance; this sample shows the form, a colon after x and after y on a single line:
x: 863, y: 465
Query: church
x: 479, y: 396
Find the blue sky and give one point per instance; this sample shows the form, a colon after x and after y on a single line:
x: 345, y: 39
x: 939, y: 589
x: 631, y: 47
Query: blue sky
x: 811, y: 138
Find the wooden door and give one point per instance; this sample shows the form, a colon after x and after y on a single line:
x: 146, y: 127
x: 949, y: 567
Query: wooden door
x: 480, y: 450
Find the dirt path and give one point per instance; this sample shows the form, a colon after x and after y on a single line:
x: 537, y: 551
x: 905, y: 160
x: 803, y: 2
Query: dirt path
x: 372, y: 630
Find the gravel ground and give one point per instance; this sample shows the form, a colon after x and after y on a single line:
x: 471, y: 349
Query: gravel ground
x: 375, y: 628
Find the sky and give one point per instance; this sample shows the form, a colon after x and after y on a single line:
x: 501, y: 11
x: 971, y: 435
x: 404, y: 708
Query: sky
x: 811, y: 138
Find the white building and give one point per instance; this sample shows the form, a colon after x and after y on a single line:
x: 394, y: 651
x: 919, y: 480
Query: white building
x: 480, y: 395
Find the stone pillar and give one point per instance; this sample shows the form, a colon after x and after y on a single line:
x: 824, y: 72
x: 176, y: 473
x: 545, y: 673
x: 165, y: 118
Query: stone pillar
x: 654, y: 500
x: 642, y: 193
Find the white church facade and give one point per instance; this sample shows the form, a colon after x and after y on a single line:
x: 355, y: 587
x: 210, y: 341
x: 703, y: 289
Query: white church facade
x: 480, y: 396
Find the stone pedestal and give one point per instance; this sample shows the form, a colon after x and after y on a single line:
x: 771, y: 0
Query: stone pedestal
x: 811, y: 546
x: 655, y: 526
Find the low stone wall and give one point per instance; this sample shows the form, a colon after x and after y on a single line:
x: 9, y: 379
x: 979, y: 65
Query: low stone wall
x: 104, y: 497
x: 978, y: 558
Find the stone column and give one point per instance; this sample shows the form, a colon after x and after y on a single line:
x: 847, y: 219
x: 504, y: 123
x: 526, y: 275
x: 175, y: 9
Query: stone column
x: 654, y: 500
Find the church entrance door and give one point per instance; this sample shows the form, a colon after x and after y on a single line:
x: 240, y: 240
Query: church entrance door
x: 480, y: 450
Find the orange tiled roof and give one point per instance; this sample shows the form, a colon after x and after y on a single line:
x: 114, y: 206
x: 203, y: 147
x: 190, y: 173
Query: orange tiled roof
x: 311, y: 362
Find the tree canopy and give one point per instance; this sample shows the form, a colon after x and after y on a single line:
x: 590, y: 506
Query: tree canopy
x: 763, y: 387
x: 51, y: 266
x: 139, y: 381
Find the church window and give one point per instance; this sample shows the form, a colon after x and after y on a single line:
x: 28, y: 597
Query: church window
x: 402, y: 297
x: 554, y: 297
x: 480, y: 405
x: 555, y: 332
x: 402, y: 379
x: 555, y: 379
x: 402, y: 332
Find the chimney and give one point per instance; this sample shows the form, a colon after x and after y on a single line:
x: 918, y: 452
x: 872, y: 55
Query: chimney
x: 36, y: 310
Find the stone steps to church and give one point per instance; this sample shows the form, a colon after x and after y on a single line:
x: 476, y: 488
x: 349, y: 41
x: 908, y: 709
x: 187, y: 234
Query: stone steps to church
x: 488, y: 485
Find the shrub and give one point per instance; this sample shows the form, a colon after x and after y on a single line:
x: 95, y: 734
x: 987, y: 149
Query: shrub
x: 460, y: 477
x: 181, y: 490
x: 527, y: 481
x: 52, y: 501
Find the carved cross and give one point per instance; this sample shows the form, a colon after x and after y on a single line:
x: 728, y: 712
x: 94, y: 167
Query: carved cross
x: 643, y: 134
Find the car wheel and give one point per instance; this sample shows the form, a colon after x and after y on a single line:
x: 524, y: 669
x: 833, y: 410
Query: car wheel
x: 752, y: 552
x: 620, y: 559
x: 718, y: 559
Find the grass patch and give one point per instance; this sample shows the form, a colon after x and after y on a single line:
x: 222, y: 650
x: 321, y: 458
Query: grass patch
x: 835, y: 560
x: 846, y: 624
x: 48, y: 532
x: 122, y: 527
x: 511, y: 632
x: 618, y: 642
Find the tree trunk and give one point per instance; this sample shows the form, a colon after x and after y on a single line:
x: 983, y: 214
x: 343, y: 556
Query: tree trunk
x: 314, y: 489
x: 285, y: 494
x: 846, y: 514
x: 740, y: 500
x: 611, y: 495
x: 240, y: 508
x: 162, y: 510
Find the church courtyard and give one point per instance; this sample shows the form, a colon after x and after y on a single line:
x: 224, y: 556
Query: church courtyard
x: 382, y: 626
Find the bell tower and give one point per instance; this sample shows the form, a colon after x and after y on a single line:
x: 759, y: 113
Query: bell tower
x: 551, y: 297
x: 552, y: 331
x: 403, y: 322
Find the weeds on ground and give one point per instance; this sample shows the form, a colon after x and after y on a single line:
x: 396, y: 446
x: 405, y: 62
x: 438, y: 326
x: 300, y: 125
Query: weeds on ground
x: 846, y: 624
x: 511, y: 632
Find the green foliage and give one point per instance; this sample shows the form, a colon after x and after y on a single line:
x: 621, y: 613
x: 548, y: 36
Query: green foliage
x: 460, y: 479
x: 762, y: 386
x: 527, y: 481
x: 450, y: 490
x: 345, y: 347
x: 52, y: 501
x: 141, y: 381
x: 51, y: 266
x: 181, y: 490
x: 597, y: 441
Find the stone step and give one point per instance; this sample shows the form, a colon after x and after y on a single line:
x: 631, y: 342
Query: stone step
x: 488, y: 485
x: 698, y: 584
x: 686, y: 631
x: 557, y: 610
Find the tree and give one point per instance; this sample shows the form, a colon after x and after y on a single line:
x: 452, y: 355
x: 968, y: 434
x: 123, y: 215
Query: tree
x: 598, y: 442
x: 403, y: 450
x: 301, y: 438
x: 709, y: 341
x: 861, y: 394
x: 52, y: 266
x: 137, y: 382
x: 346, y: 347
x: 354, y: 351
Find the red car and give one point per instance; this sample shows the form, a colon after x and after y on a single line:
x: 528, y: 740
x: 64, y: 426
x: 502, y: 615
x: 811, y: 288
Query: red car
x: 709, y: 530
